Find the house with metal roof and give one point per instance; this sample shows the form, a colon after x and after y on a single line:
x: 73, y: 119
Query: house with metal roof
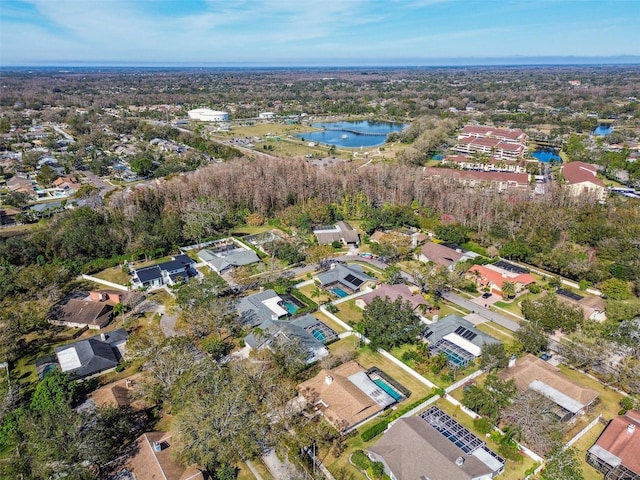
x: 166, y: 273
x: 616, y: 453
x: 434, y: 446
x: 307, y: 330
x: 93, y: 355
x: 458, y: 339
x: 532, y: 373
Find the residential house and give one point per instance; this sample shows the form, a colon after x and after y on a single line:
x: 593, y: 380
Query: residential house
x: 441, y: 255
x: 22, y: 185
x: 260, y: 307
x: 179, y: 267
x: 593, y: 307
x: 343, y: 279
x: 119, y: 394
x: 67, y: 185
x: 493, y: 277
x: 227, y: 255
x: 93, y: 355
x: 152, y: 458
x: 307, y: 330
x: 8, y: 215
x: 346, y: 395
x: 616, y: 453
x: 394, y: 292
x: 340, y: 232
x: 458, y: 339
x: 416, y: 238
x: 81, y: 310
x: 532, y: 373
x: 581, y: 180
x: 434, y: 446
x: 499, y: 181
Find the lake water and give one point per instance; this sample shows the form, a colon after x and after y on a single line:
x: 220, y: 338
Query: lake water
x: 546, y: 155
x: 352, y: 134
x: 603, y: 130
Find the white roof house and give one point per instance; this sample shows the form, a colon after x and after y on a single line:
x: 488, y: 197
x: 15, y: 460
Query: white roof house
x: 208, y: 115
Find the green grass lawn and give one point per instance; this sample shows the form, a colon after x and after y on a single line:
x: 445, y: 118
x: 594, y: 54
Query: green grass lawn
x: 114, y: 274
x: 496, y: 331
x: 584, y: 444
x: 349, y: 312
x: 327, y: 321
x: 307, y: 291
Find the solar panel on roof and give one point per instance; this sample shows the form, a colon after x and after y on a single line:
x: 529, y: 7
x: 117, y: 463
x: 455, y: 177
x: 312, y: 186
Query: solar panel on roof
x: 452, y: 430
x: 465, y: 333
x: 568, y: 294
x: 510, y: 267
x: 353, y: 280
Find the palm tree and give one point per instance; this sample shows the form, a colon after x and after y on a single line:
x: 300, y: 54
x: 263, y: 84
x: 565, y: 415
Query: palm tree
x: 508, y: 290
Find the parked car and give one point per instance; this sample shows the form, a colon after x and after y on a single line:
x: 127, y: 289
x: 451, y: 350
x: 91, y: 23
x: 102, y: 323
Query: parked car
x: 486, y: 295
x: 546, y: 356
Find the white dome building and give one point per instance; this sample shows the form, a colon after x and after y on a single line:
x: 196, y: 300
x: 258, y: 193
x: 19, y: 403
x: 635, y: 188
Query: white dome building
x: 208, y: 115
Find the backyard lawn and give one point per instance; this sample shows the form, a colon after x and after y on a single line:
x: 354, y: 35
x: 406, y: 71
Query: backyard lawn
x: 349, y: 313
x: 114, y: 274
x: 584, y: 444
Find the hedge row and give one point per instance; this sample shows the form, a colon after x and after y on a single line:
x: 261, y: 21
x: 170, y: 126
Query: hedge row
x: 380, y: 427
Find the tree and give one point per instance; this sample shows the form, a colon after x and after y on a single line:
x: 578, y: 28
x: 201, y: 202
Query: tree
x: 389, y: 323
x: 551, y: 314
x: 53, y: 392
x: 533, y: 414
x: 221, y: 422
x: 508, y: 289
x: 493, y: 357
x: 166, y: 368
x: 531, y: 337
x: 563, y: 464
x: 454, y: 233
x: 17, y: 199
x: 392, y: 275
x: 616, y: 289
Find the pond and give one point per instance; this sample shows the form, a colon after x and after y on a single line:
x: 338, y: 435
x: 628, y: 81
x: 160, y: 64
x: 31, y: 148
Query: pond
x: 546, y: 155
x: 603, y: 130
x: 352, y: 134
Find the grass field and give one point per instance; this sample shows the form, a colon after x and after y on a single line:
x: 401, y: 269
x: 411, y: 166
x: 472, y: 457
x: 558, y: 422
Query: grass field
x: 114, y: 274
x: 349, y: 313
x: 585, y: 444
x: 330, y: 323
x: 496, y: 331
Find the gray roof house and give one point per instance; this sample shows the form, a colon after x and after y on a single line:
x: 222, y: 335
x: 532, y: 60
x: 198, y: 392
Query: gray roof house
x: 223, y: 261
x: 92, y: 355
x: 260, y: 307
x: 163, y: 273
x: 340, y: 232
x: 352, y: 276
x: 457, y: 338
x: 307, y: 330
x: 434, y: 446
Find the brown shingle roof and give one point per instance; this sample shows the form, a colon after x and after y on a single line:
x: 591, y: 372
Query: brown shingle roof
x: 119, y: 394
x: 622, y: 441
x: 530, y: 368
x: 394, y: 292
x: 440, y: 254
x: 579, y: 172
x: 342, y: 403
x: 150, y: 465
x: 414, y: 450
x: 81, y: 312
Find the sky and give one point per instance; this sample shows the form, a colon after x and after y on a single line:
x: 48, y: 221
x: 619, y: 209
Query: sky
x: 315, y: 32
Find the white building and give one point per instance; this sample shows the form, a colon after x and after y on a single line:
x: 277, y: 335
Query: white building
x: 266, y: 115
x: 208, y: 115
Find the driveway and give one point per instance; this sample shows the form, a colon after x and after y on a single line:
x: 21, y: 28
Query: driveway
x: 480, y: 310
x: 279, y: 469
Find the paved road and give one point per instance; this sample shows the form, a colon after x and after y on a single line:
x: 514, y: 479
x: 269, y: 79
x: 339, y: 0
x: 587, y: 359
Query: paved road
x: 480, y: 310
x: 97, y: 181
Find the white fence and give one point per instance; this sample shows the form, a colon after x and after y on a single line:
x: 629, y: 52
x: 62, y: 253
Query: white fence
x: 117, y: 286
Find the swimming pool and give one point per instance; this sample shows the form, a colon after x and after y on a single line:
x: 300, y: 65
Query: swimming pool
x: 319, y: 335
x: 290, y: 307
x: 388, y: 389
x: 339, y: 292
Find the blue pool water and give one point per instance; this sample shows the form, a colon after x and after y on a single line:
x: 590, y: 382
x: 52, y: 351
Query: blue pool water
x: 290, y: 307
x: 389, y: 389
x: 319, y: 335
x: 455, y: 358
x: 546, y: 155
x: 339, y: 292
x: 352, y: 134
x: 603, y: 130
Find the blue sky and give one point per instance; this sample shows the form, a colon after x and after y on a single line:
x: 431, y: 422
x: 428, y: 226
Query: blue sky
x: 312, y: 32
